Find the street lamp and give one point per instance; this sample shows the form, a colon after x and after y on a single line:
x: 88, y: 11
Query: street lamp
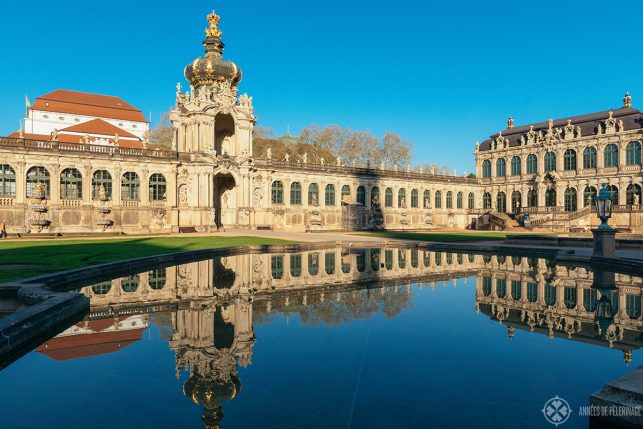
x: 604, y: 206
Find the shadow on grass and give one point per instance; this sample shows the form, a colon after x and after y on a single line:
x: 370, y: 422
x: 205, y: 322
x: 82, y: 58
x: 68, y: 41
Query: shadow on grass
x: 20, y: 259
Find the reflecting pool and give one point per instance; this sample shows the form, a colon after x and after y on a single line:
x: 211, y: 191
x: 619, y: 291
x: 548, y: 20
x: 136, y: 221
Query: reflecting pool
x: 342, y: 338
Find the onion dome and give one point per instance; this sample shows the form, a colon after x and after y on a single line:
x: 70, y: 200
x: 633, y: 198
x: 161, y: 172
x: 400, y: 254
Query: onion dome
x: 210, y: 392
x: 212, y: 67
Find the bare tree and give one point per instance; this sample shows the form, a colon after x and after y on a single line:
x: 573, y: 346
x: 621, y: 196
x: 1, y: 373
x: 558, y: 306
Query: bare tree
x: 395, y: 151
x: 162, y: 135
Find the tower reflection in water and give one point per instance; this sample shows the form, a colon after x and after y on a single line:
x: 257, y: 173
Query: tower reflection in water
x: 207, y: 309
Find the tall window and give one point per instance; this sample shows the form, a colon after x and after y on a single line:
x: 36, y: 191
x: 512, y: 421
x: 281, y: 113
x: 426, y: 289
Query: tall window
x: 569, y: 160
x: 471, y: 201
x: 516, y: 198
x: 532, y: 198
x: 7, y: 181
x: 346, y: 193
x: 401, y: 198
x: 277, y: 267
x: 130, y: 187
x: 550, y: 198
x: 614, y: 193
x: 157, y: 278
x: 486, y: 201
x: 71, y: 184
x: 458, y: 200
x: 438, y: 199
x: 38, y: 175
x: 571, y: 200
x: 427, y: 199
x: 589, y: 195
x: 532, y: 164
x: 361, y: 195
x: 486, y: 169
x: 388, y: 197
x: 329, y: 262
x: 449, y: 200
x: 633, y: 153
x: 414, y: 199
x: 516, y: 166
x: 633, y: 195
x: 104, y: 179
x: 375, y: 195
x: 329, y: 195
x: 550, y: 162
x: 313, y: 194
x: 501, y: 167
x: 295, y: 265
x: 589, y: 157
x: 313, y: 264
x: 295, y: 193
x: 501, y: 200
x: 277, y: 192
x: 611, y: 156
x: 158, y: 187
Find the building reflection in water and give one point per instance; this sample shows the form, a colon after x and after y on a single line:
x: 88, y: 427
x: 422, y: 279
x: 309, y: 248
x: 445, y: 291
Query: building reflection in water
x: 207, y: 309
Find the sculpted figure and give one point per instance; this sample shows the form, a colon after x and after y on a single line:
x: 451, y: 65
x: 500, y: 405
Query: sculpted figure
x: 54, y: 135
x: 269, y: 153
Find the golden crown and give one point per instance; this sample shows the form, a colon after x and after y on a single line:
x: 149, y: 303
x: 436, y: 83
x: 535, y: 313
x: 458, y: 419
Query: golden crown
x: 213, y: 20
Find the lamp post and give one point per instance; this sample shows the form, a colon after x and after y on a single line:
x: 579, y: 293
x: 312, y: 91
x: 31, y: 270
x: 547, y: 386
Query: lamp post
x: 604, y: 235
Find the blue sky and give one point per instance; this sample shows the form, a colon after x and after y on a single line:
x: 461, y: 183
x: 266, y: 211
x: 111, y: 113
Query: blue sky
x: 441, y: 75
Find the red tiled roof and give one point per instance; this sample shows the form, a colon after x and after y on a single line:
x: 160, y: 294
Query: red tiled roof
x: 98, y: 126
x: 84, y: 103
x: 67, y: 138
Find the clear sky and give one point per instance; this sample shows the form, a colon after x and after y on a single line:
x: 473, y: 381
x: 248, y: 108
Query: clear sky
x: 441, y: 75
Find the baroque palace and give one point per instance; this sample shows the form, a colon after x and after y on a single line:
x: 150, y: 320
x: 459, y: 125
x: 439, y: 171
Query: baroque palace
x: 82, y: 163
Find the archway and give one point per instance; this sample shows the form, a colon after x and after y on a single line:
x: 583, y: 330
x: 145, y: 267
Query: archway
x: 223, y: 133
x: 224, y: 200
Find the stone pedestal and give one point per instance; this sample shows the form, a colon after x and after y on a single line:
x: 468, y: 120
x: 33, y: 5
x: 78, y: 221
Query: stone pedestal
x: 604, y: 242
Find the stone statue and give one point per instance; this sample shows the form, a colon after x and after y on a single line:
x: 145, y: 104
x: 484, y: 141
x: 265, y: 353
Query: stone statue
x: 427, y: 203
x: 178, y: 88
x: 531, y: 135
x: 304, y: 158
x: 635, y: 200
x: 579, y: 132
x: 102, y: 194
x: 286, y: 158
x: 610, y: 123
x: 117, y: 138
x: 477, y: 146
x: 54, y: 135
x: 39, y: 190
x: 225, y: 144
x: 315, y: 200
x: 627, y: 101
x: 269, y: 153
x: 258, y: 195
x: 382, y: 166
x: 339, y: 161
x: 321, y: 161
x: 621, y: 126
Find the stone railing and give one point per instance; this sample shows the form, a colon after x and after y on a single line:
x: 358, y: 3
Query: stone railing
x: 541, y: 209
x: 158, y: 204
x: 85, y: 148
x: 130, y: 204
x: 7, y: 201
x: 71, y: 203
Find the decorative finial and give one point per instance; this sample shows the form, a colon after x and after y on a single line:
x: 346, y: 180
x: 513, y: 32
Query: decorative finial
x: 511, y: 331
x: 627, y: 101
x: 510, y: 123
x: 627, y: 357
x: 213, y: 20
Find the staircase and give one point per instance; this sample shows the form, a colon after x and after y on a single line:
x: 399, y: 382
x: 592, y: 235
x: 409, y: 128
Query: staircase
x: 558, y: 220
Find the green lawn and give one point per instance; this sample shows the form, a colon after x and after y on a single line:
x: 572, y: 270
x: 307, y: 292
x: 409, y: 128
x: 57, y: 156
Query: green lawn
x: 443, y: 237
x: 21, y: 259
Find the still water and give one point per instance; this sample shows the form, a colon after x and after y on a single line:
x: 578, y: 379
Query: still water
x: 373, y: 338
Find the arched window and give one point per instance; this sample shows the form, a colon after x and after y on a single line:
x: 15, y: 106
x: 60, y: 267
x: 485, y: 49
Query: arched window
x: 313, y: 194
x: 501, y: 202
x: 102, y: 288
x: 415, y: 196
x: 458, y: 200
x: 104, y: 179
x: 532, y: 198
x: 158, y: 187
x: 295, y: 265
x: 614, y: 192
x: 550, y: 162
x: 633, y: 195
x: 449, y: 200
x: 277, y: 266
x: 329, y: 262
x: 610, y: 156
x: 486, y: 169
x: 501, y: 167
x: 313, y: 264
x: 569, y: 160
x: 486, y: 201
x: 130, y: 187
x: 295, y: 193
x: 361, y: 195
x: 633, y: 153
x: 532, y: 164
x: 516, y: 201
x: 589, y: 157
x: 346, y: 193
x: 471, y: 201
x: 427, y: 199
x: 550, y: 198
x: 277, y: 192
x: 129, y: 284
x: 401, y: 198
x: 38, y: 175
x: 633, y: 306
x: 388, y: 197
x: 71, y: 184
x: 329, y: 195
x: 589, y: 195
x: 516, y: 166
x: 571, y: 200
x: 157, y: 278
x: 7, y: 181
x: 438, y: 199
x: 375, y: 195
